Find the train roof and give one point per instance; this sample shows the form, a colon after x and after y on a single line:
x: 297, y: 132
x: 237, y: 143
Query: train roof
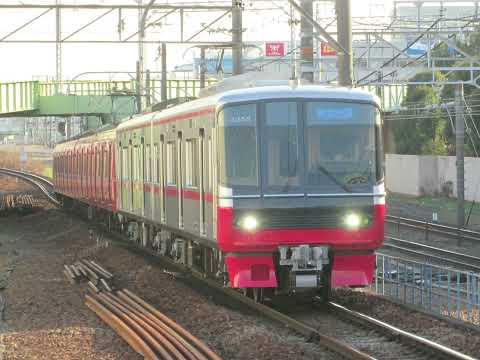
x: 301, y: 91
x: 252, y: 94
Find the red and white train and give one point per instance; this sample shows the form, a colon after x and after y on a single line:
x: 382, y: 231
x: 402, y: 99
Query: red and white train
x: 272, y: 188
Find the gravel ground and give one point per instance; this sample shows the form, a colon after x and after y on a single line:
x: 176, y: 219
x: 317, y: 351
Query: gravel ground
x: 461, y: 339
x: 45, y: 318
x: 42, y: 316
x: 422, y: 208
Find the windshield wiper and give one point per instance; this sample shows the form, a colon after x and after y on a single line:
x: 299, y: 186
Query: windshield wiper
x: 333, y: 178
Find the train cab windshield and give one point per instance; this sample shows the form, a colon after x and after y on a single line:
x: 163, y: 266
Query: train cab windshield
x: 300, y: 147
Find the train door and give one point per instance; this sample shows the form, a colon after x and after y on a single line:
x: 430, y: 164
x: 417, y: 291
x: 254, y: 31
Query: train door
x: 180, y: 180
x: 141, y: 179
x: 124, y: 151
x: 89, y: 172
x: 137, y: 190
x: 156, y: 210
x: 131, y: 168
x: 163, y: 176
x: 202, y: 182
x: 213, y: 163
x: 81, y: 173
x: 171, y: 181
x: 149, y: 180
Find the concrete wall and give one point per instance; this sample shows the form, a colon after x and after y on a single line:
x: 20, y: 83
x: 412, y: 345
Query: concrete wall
x: 430, y: 175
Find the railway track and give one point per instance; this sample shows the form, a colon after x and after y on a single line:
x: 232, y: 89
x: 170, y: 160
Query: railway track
x: 453, y: 259
x: 44, y: 185
x: 347, y: 333
x: 434, y: 228
x: 373, y: 337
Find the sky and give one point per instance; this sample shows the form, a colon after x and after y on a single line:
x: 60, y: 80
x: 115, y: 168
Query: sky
x: 28, y: 61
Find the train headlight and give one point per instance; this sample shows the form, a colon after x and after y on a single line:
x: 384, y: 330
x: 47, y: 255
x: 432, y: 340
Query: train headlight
x: 352, y: 221
x: 249, y: 223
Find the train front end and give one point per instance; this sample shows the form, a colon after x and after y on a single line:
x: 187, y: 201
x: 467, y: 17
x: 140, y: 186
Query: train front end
x: 301, y: 198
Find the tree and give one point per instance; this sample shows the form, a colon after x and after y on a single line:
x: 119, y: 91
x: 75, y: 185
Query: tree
x: 421, y: 128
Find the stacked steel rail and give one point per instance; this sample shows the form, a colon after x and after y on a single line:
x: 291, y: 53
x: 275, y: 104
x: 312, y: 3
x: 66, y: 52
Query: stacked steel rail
x: 44, y: 185
x: 149, y: 332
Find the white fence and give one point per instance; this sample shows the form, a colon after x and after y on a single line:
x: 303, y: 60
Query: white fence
x: 430, y: 175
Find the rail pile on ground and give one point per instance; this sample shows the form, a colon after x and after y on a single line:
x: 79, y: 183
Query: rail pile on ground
x: 145, y: 329
x: 21, y: 204
x: 149, y: 332
x: 97, y: 276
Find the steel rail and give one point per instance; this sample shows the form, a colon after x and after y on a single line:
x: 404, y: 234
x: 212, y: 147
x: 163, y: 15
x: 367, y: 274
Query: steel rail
x: 333, y: 344
x: 134, y: 320
x: 459, y: 260
x: 34, y: 180
x: 35, y: 176
x: 441, y: 229
x: 435, y: 349
x: 132, y: 338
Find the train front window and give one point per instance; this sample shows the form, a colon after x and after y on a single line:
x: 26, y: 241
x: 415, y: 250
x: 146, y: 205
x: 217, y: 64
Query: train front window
x: 238, y: 148
x: 340, y: 147
x: 280, y: 144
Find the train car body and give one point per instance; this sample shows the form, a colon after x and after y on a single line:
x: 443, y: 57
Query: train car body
x: 273, y: 187
x: 84, y: 170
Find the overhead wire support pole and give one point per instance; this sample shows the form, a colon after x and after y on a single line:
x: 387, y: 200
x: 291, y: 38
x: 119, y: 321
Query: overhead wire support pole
x: 460, y: 154
x: 344, y: 30
x: 237, y: 33
x: 306, y: 42
x: 320, y: 30
x: 58, y: 47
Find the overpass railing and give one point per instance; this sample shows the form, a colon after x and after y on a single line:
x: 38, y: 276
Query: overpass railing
x: 175, y: 88
x: 18, y: 96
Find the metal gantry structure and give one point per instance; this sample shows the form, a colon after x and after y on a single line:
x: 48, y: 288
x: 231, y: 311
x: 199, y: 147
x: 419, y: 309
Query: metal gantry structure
x: 390, y: 51
x: 188, y: 33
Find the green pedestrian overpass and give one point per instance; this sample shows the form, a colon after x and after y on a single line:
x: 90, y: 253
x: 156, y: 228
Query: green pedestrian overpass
x: 110, y: 100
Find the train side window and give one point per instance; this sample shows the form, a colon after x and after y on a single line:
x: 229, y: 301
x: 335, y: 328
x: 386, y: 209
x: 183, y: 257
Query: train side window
x: 147, y: 171
x: 191, y: 163
x: 171, y: 163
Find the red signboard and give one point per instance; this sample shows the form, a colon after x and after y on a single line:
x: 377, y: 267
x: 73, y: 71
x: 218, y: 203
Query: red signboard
x: 275, y: 49
x: 327, y: 50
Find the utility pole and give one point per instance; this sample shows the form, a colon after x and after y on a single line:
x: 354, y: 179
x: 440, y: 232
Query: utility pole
x: 237, y: 47
x: 344, y: 30
x: 292, y: 44
x: 141, y: 59
x: 460, y: 144
x: 306, y: 41
x: 58, y: 47
x: 164, y: 74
